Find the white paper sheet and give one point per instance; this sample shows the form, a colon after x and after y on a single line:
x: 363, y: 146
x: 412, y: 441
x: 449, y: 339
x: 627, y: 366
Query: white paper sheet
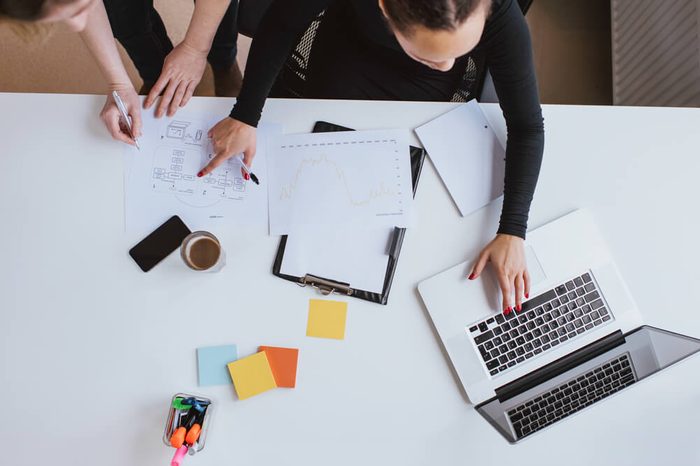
x: 354, y: 179
x: 357, y: 257
x: 467, y: 155
x: 161, y: 179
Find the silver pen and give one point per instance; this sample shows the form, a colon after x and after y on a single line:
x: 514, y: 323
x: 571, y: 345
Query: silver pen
x: 125, y: 116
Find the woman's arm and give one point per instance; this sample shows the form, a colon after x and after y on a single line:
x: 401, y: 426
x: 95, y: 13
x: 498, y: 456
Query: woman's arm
x: 98, y: 38
x: 275, y: 38
x: 184, y: 66
x: 508, y: 52
x: 277, y: 34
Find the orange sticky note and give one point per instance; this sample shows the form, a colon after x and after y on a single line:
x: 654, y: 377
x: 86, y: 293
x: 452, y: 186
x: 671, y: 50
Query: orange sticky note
x: 283, y: 362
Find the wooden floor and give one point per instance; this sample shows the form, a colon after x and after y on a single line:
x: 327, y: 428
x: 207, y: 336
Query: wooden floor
x: 571, y: 41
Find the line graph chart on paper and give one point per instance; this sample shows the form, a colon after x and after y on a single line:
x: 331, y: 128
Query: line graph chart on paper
x: 361, y: 178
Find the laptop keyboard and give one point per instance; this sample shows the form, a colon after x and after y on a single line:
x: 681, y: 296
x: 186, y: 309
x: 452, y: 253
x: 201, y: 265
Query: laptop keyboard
x: 572, y: 396
x: 561, y: 314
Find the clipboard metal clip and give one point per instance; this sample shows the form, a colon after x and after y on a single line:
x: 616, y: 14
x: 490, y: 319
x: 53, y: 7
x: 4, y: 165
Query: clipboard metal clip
x: 324, y: 286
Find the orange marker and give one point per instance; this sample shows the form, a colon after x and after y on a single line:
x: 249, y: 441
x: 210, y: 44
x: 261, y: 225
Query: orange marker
x: 178, y: 437
x: 193, y: 434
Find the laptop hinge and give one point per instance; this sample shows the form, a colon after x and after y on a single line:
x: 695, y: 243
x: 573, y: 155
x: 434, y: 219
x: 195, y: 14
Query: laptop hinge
x: 559, y: 366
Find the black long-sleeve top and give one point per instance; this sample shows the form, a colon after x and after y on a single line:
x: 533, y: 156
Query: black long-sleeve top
x: 505, y: 46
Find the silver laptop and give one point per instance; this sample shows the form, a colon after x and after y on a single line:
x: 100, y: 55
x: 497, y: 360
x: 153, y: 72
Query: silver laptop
x: 578, y: 340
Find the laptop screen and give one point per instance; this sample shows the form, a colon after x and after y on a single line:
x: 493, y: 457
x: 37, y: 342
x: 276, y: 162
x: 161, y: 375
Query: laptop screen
x: 644, y: 352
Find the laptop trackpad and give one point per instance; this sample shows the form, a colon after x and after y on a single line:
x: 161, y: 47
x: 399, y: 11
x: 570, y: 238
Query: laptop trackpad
x: 534, y: 267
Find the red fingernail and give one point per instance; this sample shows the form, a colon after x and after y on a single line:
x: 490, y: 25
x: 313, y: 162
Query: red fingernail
x: 518, y: 308
x: 246, y: 176
x: 200, y: 174
x: 527, y: 295
x: 508, y: 310
x: 472, y: 276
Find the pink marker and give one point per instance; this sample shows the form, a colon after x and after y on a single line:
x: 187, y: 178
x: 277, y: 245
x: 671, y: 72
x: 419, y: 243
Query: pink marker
x: 179, y: 455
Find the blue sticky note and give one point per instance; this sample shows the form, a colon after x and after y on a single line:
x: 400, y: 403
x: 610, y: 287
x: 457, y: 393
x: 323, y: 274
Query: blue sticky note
x: 211, y: 364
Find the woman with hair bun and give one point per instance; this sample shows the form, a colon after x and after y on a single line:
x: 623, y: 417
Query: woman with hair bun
x: 409, y: 50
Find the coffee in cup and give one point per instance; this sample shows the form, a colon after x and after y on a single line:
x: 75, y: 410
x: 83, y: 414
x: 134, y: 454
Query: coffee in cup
x: 202, y: 251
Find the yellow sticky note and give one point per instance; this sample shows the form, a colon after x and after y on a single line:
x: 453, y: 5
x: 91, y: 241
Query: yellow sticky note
x: 326, y: 319
x: 251, y: 375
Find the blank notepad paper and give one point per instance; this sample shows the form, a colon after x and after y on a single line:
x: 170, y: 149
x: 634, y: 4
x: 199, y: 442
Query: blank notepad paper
x: 467, y: 155
x: 355, y: 256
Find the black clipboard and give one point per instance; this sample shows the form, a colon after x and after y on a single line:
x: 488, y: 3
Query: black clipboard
x: 327, y: 285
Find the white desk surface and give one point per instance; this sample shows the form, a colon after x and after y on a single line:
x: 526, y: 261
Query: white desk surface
x: 93, y: 349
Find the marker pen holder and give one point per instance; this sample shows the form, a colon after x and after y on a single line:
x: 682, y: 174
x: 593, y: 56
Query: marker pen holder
x: 186, y: 427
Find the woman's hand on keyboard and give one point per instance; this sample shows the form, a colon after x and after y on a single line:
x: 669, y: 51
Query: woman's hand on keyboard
x: 507, y: 255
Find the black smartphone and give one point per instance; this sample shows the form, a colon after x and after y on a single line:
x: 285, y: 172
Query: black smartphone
x: 159, y: 244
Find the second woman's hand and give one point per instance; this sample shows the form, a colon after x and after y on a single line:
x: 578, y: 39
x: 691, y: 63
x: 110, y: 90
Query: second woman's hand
x: 507, y: 255
x: 230, y: 137
x: 112, y: 118
x: 182, y: 70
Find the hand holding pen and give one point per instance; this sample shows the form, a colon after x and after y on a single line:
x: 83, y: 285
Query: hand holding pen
x: 122, y: 115
x: 245, y: 171
x: 227, y: 142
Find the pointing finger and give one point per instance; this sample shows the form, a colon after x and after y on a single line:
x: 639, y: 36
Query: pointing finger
x: 213, y: 164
